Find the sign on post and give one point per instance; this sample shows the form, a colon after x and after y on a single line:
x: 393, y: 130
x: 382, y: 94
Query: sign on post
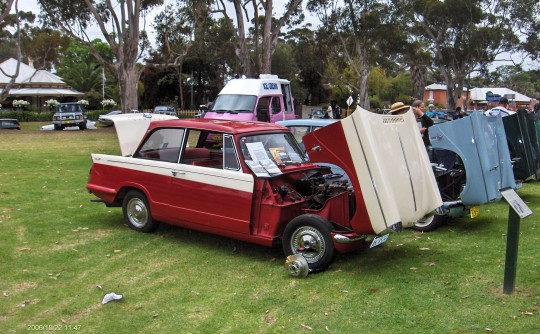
x: 517, y: 210
x: 349, y: 102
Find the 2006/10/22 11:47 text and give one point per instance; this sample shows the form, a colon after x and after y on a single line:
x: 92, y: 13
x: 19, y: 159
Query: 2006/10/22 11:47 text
x: 53, y: 327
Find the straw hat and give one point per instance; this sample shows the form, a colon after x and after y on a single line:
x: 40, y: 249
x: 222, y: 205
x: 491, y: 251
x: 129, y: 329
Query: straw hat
x: 398, y: 106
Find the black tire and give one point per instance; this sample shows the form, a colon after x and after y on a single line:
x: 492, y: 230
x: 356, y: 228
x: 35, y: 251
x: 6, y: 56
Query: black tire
x: 428, y: 224
x: 82, y: 126
x: 137, y: 212
x: 57, y: 127
x: 309, y: 235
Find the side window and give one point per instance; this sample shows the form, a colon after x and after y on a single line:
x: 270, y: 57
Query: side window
x: 276, y: 105
x: 203, y: 149
x: 230, y: 157
x: 162, y: 144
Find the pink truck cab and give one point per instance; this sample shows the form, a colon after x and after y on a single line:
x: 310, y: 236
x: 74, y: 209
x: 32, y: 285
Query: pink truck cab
x: 266, y: 99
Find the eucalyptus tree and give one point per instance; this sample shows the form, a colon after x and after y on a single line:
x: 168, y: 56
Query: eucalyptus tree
x: 5, y: 8
x: 309, y: 56
x: 175, y: 30
x: 525, y: 16
x: 463, y: 35
x: 44, y: 47
x: 264, y: 35
x: 360, y: 33
x: 120, y: 23
x: 10, y: 38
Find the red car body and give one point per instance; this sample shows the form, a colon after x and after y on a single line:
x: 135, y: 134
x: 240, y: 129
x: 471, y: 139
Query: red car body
x: 256, y: 186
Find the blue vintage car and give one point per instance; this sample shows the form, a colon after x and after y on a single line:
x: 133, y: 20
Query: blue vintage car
x: 471, y: 162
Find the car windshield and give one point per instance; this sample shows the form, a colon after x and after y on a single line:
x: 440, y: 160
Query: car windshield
x: 234, y: 103
x: 280, y: 148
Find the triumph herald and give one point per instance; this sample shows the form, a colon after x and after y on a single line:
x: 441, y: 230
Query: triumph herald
x: 256, y: 185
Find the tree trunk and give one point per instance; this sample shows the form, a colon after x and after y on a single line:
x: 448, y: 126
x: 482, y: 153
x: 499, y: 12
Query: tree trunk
x: 128, y: 79
x: 363, y: 76
x: 418, y: 77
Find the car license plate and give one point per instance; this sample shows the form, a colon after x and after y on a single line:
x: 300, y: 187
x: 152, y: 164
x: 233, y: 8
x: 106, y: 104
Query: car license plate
x: 68, y: 121
x: 379, y: 240
x: 475, y: 211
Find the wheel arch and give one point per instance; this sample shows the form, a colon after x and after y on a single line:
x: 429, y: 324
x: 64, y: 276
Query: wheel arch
x: 126, y: 189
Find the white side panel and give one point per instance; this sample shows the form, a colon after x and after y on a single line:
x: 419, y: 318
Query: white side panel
x: 219, y: 177
x: 393, y: 168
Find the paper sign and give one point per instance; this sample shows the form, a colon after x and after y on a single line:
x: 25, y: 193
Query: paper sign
x: 516, y: 203
x: 256, y: 151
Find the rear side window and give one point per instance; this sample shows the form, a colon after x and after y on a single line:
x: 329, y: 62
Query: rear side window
x: 162, y: 144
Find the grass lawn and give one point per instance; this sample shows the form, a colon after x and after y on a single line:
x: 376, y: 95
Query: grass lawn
x: 60, y: 254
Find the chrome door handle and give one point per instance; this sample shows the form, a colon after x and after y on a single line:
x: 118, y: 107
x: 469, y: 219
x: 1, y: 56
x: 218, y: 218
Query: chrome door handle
x: 176, y: 172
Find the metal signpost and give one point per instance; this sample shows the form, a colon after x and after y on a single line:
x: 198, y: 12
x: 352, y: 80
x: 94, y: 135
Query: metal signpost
x: 517, y: 210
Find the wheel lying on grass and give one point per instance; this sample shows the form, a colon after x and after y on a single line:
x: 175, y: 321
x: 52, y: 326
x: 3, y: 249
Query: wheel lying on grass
x: 309, y: 236
x: 137, y: 212
x: 428, y: 224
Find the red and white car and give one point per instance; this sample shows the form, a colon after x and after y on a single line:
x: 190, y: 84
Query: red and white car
x: 257, y: 185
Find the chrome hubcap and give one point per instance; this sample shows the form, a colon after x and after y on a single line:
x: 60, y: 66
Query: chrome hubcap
x: 137, y: 212
x: 309, y: 242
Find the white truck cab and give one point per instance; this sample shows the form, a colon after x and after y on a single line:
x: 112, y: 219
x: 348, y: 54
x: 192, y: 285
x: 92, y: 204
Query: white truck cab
x: 266, y: 99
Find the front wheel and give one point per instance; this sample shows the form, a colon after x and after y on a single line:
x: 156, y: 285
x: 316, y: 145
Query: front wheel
x: 428, y: 224
x: 310, y: 236
x: 137, y: 212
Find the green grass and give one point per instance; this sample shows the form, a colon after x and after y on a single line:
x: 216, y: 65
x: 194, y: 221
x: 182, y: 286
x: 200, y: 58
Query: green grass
x: 60, y: 254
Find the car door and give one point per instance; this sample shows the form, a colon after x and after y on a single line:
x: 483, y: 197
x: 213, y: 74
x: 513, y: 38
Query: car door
x: 214, y: 197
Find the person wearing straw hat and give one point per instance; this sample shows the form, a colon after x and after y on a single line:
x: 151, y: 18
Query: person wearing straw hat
x: 424, y: 122
x: 399, y: 108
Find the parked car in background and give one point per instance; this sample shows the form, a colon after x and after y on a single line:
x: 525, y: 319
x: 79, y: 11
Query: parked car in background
x: 69, y: 114
x: 165, y: 110
x: 301, y: 127
x: 261, y: 187
x: 317, y: 114
x: 10, y: 124
x: 105, y: 120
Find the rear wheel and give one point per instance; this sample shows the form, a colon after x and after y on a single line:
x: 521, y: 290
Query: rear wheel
x: 57, y: 127
x: 428, y: 224
x: 310, y: 236
x: 137, y: 212
x: 82, y: 126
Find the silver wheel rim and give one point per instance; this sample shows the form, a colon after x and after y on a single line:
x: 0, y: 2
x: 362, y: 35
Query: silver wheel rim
x: 309, y: 242
x: 137, y: 212
x: 425, y: 222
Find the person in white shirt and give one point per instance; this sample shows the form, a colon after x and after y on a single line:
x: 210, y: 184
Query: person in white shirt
x: 500, y: 109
